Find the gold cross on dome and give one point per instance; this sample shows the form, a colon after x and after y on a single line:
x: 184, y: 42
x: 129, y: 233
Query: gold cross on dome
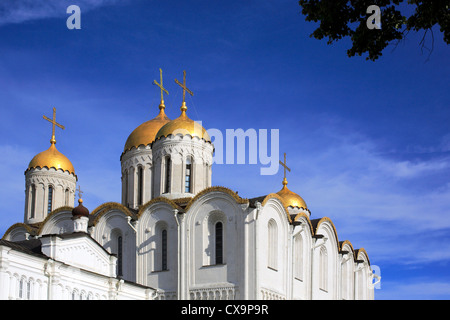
x: 285, y: 167
x: 183, y: 85
x: 160, y: 85
x: 54, y: 123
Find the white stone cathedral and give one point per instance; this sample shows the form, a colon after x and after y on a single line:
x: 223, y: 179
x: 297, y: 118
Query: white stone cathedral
x: 174, y: 235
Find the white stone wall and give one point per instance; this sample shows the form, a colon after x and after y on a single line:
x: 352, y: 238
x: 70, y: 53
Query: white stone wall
x: 309, y: 261
x: 178, y: 148
x: 203, y: 273
x: 133, y: 159
x: 153, y: 220
x: 29, y: 277
x: 113, y: 225
x: 42, y: 179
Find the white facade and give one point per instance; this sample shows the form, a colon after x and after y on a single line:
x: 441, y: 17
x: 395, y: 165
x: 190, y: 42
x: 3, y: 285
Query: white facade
x: 304, y: 261
x: 71, y: 267
x: 46, y: 190
x: 185, y: 240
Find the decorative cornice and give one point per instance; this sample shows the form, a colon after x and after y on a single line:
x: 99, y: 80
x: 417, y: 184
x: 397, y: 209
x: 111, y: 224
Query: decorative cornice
x: 182, y: 201
x: 317, y: 222
x: 98, y: 212
x: 230, y: 192
x: 362, y: 250
x: 346, y: 242
x: 28, y: 228
x: 172, y: 203
x: 51, y: 214
x: 276, y: 196
x: 303, y: 215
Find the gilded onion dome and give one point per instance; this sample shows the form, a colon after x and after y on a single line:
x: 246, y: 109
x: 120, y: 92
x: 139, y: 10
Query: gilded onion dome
x: 145, y: 134
x: 185, y: 126
x: 52, y: 158
x: 291, y: 199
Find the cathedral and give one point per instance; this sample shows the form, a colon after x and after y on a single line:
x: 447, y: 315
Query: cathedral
x: 173, y: 235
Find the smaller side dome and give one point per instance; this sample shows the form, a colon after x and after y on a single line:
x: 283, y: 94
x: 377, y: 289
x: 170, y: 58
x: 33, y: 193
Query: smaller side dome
x: 51, y: 158
x: 80, y: 210
x: 146, y: 132
x: 291, y: 199
x: 185, y: 126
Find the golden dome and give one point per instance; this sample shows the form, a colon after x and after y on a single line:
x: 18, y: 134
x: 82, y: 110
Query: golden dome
x: 184, y: 126
x: 291, y: 198
x: 146, y: 132
x: 51, y: 158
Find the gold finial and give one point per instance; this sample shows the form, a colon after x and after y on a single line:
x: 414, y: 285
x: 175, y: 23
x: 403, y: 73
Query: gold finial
x: 54, y: 123
x: 79, y: 194
x: 161, y: 105
x: 183, y: 85
x: 285, y: 168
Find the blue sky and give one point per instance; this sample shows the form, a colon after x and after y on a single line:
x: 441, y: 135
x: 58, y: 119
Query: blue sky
x: 368, y: 143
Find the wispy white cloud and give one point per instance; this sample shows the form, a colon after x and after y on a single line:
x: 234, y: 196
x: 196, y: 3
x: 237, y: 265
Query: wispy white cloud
x: 389, y: 205
x: 17, y: 11
x: 414, y: 289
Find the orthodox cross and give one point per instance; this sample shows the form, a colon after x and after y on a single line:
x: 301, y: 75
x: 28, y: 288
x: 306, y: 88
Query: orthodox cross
x: 161, y: 85
x: 54, y: 123
x: 183, y: 85
x: 285, y: 167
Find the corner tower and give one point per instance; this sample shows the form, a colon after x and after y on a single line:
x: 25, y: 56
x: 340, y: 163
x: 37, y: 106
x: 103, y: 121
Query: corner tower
x: 50, y: 181
x: 182, y: 156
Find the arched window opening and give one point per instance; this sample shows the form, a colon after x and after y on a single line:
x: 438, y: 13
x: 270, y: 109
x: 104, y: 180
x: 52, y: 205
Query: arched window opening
x: 21, y: 288
x: 167, y: 175
x: 219, y: 242
x: 125, y: 196
x: 140, y: 185
x: 33, y: 201
x: 119, y: 256
x: 66, y: 197
x: 50, y: 199
x: 272, y: 245
x: 29, y: 290
x: 187, y: 180
x: 164, y: 250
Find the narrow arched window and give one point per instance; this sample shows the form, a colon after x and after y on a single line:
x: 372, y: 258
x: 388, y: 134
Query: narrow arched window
x: 119, y: 256
x: 164, y: 250
x: 167, y: 175
x: 50, y: 199
x: 187, y: 180
x: 66, y: 197
x: 125, y: 196
x: 219, y: 242
x: 29, y: 290
x: 21, y: 288
x: 272, y: 245
x: 140, y: 185
x: 33, y: 201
